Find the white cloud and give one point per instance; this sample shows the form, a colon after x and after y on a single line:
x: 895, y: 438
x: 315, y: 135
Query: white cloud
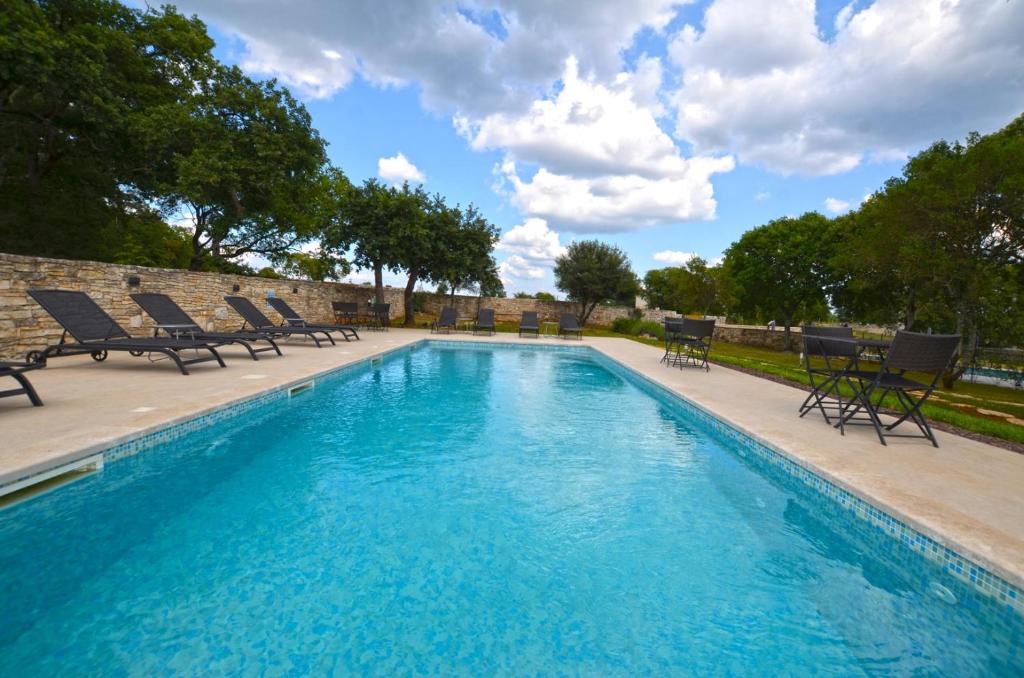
x: 759, y: 80
x: 763, y: 195
x: 454, y: 57
x: 835, y: 205
x: 397, y: 169
x: 674, y: 257
x: 605, y: 164
x: 533, y: 240
x: 519, y: 267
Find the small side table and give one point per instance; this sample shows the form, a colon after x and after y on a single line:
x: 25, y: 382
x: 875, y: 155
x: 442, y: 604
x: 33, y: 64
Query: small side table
x: 549, y: 328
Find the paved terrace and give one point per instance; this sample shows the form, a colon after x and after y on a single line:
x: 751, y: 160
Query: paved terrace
x: 965, y: 494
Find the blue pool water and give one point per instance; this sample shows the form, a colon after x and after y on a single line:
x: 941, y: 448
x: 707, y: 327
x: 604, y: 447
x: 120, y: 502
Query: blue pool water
x: 469, y: 511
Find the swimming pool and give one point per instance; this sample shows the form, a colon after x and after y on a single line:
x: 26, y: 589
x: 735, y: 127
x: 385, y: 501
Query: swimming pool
x: 459, y: 509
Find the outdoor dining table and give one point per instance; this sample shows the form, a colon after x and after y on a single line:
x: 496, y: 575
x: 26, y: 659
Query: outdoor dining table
x: 880, y: 346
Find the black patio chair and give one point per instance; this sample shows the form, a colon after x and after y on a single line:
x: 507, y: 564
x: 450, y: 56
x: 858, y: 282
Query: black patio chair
x: 445, y: 323
x: 568, y: 324
x: 837, y: 350
x: 255, y: 318
x: 673, y: 333
x: 484, y: 321
x: 378, y: 316
x: 295, y: 320
x: 693, y: 343
x: 95, y: 333
x: 175, y: 322
x: 16, y: 372
x: 345, y: 312
x: 910, y: 352
x: 529, y: 324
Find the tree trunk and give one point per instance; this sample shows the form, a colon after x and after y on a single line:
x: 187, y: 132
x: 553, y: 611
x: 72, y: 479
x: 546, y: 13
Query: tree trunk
x: 410, y: 312
x: 787, y: 320
x: 911, y: 311
x: 196, y: 262
x: 585, y: 312
x: 378, y: 283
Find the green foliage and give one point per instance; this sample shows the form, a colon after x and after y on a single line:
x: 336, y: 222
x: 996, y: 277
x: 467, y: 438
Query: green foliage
x: 544, y: 296
x: 591, y: 272
x: 269, y: 272
x: 522, y: 295
x: 693, y: 288
x: 780, y: 270
x: 637, y: 327
x: 319, y: 265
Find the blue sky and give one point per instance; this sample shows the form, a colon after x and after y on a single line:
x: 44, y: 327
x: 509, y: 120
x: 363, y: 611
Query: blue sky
x: 664, y: 128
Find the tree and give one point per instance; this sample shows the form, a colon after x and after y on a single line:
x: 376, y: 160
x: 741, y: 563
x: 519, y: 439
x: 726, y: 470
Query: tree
x: 81, y: 81
x: 464, y: 257
x: 522, y: 295
x: 693, y: 288
x: 591, y: 272
x: 781, y: 270
x: 544, y: 296
x: 248, y: 168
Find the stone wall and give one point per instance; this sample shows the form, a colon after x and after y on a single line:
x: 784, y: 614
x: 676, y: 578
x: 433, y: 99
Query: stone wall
x: 756, y: 335
x: 511, y: 310
x: 24, y: 325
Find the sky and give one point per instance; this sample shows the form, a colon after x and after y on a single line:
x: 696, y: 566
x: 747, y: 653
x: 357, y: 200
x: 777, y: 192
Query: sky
x: 665, y: 128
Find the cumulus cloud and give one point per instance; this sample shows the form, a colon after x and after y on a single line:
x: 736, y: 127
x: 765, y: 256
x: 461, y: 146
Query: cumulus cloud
x: 835, y: 205
x: 759, y: 80
x: 397, y: 169
x: 532, y: 248
x: 674, y: 257
x: 473, y: 56
x: 605, y: 164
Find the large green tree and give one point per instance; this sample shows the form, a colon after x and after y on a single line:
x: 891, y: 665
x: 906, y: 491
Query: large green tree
x: 692, y: 288
x: 591, y: 272
x: 780, y: 270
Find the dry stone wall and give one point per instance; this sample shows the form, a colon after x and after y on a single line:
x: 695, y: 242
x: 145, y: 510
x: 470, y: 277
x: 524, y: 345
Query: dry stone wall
x: 25, y: 326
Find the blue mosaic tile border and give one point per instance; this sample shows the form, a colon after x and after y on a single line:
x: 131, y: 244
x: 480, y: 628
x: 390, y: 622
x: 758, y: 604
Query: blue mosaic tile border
x: 1005, y: 595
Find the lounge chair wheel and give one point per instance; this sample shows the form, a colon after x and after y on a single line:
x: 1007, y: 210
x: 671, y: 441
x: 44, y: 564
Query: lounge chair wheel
x: 100, y: 356
x: 35, y: 357
x: 135, y: 354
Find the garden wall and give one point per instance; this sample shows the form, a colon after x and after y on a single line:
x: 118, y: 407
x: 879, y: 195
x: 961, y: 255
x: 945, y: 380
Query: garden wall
x: 25, y: 326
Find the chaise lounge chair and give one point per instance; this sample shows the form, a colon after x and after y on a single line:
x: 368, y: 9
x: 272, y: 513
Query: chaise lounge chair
x: 529, y: 324
x: 295, y: 320
x: 95, y: 333
x: 446, y: 323
x: 567, y: 324
x: 260, y: 323
x: 15, y: 370
x: 484, y: 321
x: 173, y: 320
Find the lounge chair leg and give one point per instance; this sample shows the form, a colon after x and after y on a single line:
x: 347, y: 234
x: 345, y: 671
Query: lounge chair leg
x: 27, y: 387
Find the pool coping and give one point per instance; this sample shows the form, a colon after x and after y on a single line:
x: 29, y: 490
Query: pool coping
x: 972, y: 568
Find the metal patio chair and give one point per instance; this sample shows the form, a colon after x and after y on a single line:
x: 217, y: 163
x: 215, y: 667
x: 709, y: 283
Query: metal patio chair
x: 910, y: 352
x: 693, y: 343
x: 836, y: 348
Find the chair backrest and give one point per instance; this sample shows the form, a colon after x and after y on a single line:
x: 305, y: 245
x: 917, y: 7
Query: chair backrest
x: 827, y: 331
x: 920, y: 352
x: 79, y: 315
x: 282, y: 307
x: 164, y: 310
x: 249, y: 312
x: 380, y: 309
x: 485, y: 318
x: 529, y: 319
x: 833, y: 347
x: 345, y: 307
x: 698, y: 328
x: 567, y: 321
x: 448, y: 316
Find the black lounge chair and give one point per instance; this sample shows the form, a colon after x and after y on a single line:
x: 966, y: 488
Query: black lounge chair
x: 567, y: 324
x: 445, y: 323
x: 295, y: 320
x: 529, y: 323
x: 15, y: 370
x: 909, y: 352
x: 484, y: 321
x: 95, y: 333
x: 173, y: 320
x: 255, y: 318
x: 692, y: 343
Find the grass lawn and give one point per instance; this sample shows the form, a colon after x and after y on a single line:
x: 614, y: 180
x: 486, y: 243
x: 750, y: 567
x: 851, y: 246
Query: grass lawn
x: 975, y: 408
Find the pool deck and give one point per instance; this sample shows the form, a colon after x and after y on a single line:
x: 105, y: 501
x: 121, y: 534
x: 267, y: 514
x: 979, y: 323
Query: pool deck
x: 965, y: 494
